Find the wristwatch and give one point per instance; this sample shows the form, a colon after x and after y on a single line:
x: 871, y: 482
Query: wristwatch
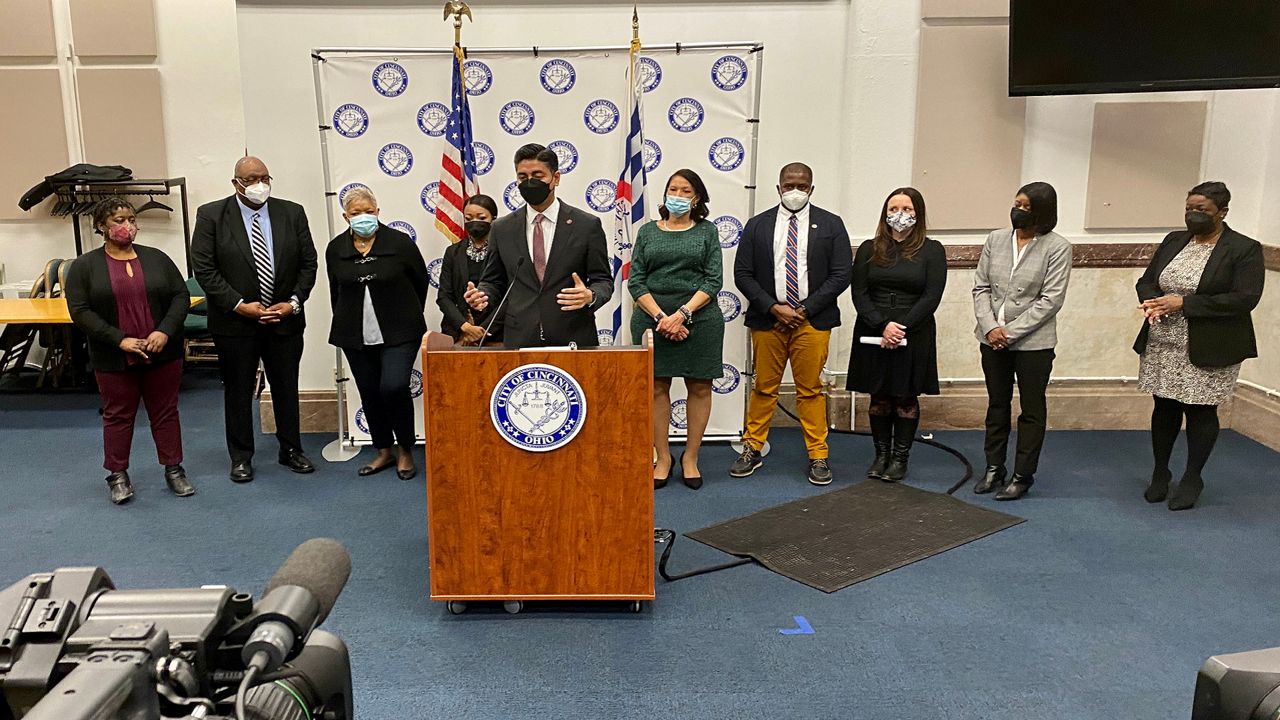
x: 297, y: 306
x: 659, y: 316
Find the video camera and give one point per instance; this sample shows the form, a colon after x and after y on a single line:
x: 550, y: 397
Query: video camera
x: 72, y: 647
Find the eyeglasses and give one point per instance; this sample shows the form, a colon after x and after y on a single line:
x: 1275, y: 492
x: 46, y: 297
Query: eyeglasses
x: 253, y: 180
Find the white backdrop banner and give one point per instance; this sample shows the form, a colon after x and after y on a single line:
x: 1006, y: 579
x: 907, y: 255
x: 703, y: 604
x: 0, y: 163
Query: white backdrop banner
x: 387, y: 112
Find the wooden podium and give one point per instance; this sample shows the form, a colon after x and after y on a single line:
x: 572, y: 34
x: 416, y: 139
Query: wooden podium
x: 513, y: 524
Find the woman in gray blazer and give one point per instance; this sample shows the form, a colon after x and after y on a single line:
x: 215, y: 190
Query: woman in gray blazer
x: 1018, y: 289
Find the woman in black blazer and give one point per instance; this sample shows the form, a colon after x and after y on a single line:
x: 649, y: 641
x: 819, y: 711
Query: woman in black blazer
x: 130, y: 300
x: 378, y: 288
x: 1196, y: 294
x: 464, y: 262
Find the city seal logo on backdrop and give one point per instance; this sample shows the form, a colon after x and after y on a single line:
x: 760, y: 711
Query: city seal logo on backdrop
x: 415, y: 384
x: 558, y: 76
x: 728, y: 381
x: 567, y: 153
x: 361, y: 422
x: 538, y: 407
x: 605, y: 336
x: 680, y: 414
x: 390, y: 79
x: 433, y: 272
x: 730, y: 230
x: 601, y: 195
x: 350, y: 120
x: 650, y: 74
x: 430, y: 196
x: 516, y: 117
x: 433, y: 118
x: 729, y: 72
x: 405, y: 228
x: 726, y: 154
x: 484, y: 157
x: 686, y: 114
x: 730, y: 305
x: 511, y: 197
x: 652, y: 155
x: 601, y: 117
x: 395, y: 159
x: 477, y: 76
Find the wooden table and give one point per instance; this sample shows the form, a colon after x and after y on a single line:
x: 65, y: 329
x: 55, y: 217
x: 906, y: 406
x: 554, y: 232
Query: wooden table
x: 43, y: 311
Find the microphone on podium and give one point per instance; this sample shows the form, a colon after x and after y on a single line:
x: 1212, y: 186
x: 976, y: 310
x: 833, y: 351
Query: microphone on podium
x: 498, y: 309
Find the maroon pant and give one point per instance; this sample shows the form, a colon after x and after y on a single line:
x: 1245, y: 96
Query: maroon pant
x: 157, y: 387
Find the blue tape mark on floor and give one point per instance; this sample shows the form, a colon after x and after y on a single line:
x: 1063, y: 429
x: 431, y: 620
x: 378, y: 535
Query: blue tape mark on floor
x: 802, y: 627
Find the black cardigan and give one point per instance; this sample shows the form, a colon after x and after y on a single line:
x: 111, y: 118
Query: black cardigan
x: 92, y: 304
x: 398, y: 283
x: 1219, y: 329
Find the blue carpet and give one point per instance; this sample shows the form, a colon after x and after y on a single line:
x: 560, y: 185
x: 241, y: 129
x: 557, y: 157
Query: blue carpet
x: 1101, y: 606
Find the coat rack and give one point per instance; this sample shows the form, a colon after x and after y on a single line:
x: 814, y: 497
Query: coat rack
x: 77, y: 198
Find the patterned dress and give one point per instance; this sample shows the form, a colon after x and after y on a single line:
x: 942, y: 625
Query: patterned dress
x: 672, y: 266
x: 1166, y: 369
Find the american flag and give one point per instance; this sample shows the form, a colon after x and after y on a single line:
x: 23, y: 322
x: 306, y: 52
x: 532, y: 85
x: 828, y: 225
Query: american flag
x: 630, y: 210
x: 458, y: 162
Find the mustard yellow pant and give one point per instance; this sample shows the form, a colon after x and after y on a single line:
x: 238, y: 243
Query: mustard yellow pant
x: 806, y: 349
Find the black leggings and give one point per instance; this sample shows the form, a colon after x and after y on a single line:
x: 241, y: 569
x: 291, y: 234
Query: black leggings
x: 1202, y: 432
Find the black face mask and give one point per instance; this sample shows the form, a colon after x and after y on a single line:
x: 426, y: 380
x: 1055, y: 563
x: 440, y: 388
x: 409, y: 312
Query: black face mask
x: 534, y: 191
x: 1021, y: 219
x: 478, y: 229
x: 1200, y: 223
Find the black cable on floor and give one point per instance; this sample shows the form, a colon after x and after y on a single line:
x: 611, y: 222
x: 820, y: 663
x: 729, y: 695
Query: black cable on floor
x: 668, y: 537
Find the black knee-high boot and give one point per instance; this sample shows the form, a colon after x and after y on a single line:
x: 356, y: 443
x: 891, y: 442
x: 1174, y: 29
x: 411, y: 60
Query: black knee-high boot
x: 1166, y: 421
x: 882, y: 439
x: 1202, y: 434
x: 904, y: 433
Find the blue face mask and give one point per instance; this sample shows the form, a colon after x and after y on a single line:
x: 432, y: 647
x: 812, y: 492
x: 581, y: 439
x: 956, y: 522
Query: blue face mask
x: 678, y: 206
x: 364, y: 225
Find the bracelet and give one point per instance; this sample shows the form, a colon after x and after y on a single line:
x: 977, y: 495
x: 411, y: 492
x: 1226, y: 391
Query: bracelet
x: 688, y: 316
x: 659, y: 316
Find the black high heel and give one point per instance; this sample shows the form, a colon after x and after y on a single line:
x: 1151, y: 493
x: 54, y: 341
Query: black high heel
x: 662, y: 482
x: 692, y: 483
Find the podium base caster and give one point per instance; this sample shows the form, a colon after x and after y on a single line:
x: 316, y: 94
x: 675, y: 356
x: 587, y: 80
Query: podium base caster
x: 513, y: 606
x: 637, y: 606
x: 457, y: 607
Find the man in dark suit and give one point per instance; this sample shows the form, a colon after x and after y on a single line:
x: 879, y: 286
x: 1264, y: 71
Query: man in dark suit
x: 792, y: 265
x: 254, y: 257
x: 551, y: 257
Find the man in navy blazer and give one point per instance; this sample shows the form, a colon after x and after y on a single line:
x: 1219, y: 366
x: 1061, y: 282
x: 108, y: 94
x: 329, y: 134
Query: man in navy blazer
x: 794, y: 261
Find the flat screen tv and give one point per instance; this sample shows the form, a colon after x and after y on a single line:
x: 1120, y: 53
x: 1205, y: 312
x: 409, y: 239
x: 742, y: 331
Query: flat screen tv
x: 1064, y: 47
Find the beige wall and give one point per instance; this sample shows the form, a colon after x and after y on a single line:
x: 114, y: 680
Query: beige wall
x: 1265, y: 369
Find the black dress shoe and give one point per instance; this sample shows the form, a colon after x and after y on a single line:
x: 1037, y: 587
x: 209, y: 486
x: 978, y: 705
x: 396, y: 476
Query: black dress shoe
x: 1184, y: 497
x: 406, y: 474
x: 992, y: 479
x: 176, y: 478
x: 242, y: 472
x: 372, y: 469
x: 120, y: 488
x: 661, y: 482
x: 1158, y: 490
x: 693, y: 482
x: 1017, y: 487
x: 296, y: 462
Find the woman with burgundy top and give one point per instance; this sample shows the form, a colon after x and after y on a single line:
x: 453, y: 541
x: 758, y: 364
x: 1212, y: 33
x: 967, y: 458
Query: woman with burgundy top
x: 131, y: 301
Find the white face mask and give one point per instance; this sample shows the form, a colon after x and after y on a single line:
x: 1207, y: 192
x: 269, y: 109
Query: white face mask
x: 901, y: 221
x: 257, y: 193
x: 795, y: 200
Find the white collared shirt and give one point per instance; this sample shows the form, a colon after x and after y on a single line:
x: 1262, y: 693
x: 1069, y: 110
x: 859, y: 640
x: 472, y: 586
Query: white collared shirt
x: 550, y: 217
x: 780, y: 252
x: 1017, y: 255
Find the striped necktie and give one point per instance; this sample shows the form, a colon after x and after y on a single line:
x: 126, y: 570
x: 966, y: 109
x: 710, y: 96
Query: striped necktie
x: 262, y: 261
x: 793, y: 262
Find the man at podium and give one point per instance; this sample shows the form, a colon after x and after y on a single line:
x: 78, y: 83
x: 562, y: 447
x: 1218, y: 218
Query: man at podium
x: 550, y: 263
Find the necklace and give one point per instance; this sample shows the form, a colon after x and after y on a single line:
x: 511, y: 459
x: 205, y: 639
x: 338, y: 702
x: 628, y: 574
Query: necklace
x: 477, y: 254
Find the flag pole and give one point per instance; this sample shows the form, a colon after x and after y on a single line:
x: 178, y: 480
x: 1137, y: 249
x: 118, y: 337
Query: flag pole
x: 456, y: 9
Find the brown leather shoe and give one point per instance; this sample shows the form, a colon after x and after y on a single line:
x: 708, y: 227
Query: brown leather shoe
x: 176, y: 478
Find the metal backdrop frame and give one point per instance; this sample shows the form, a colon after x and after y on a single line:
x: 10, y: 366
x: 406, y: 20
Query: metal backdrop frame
x: 343, y: 447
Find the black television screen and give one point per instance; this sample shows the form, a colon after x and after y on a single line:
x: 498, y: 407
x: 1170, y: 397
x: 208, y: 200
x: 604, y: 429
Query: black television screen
x: 1061, y: 47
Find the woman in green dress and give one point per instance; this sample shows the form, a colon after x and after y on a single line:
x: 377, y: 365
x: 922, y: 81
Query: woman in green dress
x: 675, y: 277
